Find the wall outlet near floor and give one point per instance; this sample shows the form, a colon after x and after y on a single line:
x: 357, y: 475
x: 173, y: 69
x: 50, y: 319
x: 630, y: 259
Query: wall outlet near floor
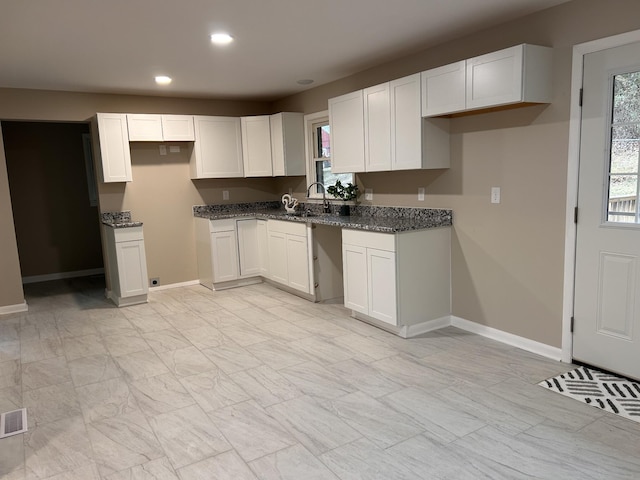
x: 368, y: 193
x: 225, y: 194
x: 154, y: 282
x: 421, y: 194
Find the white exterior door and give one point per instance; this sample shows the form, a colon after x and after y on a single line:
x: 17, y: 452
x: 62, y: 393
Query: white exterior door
x: 607, y: 306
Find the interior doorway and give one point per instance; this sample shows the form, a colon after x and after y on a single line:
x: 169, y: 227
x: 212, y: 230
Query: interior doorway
x: 55, y: 212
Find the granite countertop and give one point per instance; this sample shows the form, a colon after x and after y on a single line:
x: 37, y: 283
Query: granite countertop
x: 119, y: 220
x: 372, y: 218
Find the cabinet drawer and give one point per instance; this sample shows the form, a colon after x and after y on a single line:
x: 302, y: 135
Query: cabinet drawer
x: 287, y: 227
x: 223, y: 225
x: 380, y: 241
x: 126, y: 234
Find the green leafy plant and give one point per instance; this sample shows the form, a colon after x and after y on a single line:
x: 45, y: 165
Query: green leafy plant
x: 350, y: 192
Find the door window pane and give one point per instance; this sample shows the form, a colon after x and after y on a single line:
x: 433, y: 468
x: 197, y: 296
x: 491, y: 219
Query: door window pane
x: 624, y: 151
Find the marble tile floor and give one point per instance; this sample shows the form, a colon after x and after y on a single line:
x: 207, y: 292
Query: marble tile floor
x: 254, y: 383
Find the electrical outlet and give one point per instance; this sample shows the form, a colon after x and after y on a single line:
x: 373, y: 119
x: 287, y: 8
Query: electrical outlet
x: 495, y: 194
x: 368, y: 193
x: 225, y: 194
x: 174, y: 148
x: 154, y: 282
x: 421, y: 194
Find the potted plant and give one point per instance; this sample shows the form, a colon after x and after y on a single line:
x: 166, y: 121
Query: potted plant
x: 345, y: 193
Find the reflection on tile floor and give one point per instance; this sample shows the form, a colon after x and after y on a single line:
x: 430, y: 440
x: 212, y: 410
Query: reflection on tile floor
x: 254, y: 383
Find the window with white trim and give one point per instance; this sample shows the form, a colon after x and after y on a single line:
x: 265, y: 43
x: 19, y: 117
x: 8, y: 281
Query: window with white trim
x: 318, y: 148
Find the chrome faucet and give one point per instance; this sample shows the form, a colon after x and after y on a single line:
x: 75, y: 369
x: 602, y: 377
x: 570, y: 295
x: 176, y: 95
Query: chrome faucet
x: 325, y: 202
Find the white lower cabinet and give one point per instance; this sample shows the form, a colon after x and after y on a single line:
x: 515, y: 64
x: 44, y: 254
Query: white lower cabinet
x: 127, y: 265
x: 263, y: 247
x: 228, y: 252
x: 400, y: 279
x: 289, y: 254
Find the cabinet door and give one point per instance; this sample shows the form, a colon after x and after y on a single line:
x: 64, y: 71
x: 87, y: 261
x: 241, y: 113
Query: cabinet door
x: 346, y: 119
x: 248, y: 251
x: 495, y: 78
x: 217, y: 151
x: 444, y: 89
x: 263, y: 247
x: 298, y: 263
x: 144, y: 128
x: 354, y: 272
x: 256, y: 146
x: 224, y: 256
x: 177, y: 128
x: 115, y: 155
x: 278, y: 257
x: 287, y: 144
x: 377, y: 128
x: 406, y: 123
x: 381, y: 281
x: 132, y: 268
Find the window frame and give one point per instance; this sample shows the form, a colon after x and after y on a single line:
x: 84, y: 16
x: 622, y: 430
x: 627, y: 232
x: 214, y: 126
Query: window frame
x: 312, y: 120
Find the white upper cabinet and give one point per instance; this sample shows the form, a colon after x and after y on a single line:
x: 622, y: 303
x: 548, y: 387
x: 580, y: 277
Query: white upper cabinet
x: 160, y: 128
x: 444, y: 89
x: 177, y: 128
x: 217, y: 151
x: 111, y: 147
x: 377, y: 128
x: 519, y: 74
x: 287, y: 144
x: 144, y: 128
x: 406, y: 125
x: 396, y: 137
x: 256, y: 146
x: 346, y: 119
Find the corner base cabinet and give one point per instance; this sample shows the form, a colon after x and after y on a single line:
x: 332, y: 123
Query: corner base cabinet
x: 127, y: 265
x: 402, y: 279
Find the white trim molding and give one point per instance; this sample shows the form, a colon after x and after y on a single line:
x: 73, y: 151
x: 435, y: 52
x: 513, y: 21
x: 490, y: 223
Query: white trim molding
x: 573, y: 163
x: 62, y: 275
x: 174, y: 285
x: 17, y: 308
x: 523, y: 343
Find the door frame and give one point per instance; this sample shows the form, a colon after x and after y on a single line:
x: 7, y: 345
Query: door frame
x: 579, y: 51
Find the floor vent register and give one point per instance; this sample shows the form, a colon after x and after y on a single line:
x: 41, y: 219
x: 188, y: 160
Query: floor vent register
x: 13, y: 423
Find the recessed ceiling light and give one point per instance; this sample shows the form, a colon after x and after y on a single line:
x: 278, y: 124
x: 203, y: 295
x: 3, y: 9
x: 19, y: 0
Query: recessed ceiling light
x: 305, y: 81
x: 163, y: 80
x: 221, y: 38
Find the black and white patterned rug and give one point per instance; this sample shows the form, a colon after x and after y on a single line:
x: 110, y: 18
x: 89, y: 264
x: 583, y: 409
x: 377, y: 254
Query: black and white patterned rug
x: 601, y: 390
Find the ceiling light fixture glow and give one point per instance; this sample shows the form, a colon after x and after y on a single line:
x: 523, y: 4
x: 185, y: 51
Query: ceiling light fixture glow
x: 221, y: 38
x: 163, y: 80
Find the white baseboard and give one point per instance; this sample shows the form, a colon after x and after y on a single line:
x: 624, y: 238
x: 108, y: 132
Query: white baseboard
x: 18, y: 308
x: 174, y: 285
x: 532, y: 346
x: 424, y: 327
x: 62, y: 275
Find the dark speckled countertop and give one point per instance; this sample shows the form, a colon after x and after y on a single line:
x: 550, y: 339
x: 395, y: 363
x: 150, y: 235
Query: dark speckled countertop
x: 372, y: 218
x: 119, y: 220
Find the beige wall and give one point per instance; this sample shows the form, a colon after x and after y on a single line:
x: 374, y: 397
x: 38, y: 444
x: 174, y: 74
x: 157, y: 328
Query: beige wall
x: 507, y: 258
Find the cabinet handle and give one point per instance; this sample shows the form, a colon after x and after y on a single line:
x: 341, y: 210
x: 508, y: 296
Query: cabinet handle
x: 315, y: 285
x: 315, y: 257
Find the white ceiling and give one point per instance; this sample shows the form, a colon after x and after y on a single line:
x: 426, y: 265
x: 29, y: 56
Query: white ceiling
x: 118, y: 46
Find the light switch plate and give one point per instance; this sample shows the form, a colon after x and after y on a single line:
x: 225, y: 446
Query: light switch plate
x: 225, y: 194
x: 421, y: 194
x: 163, y: 149
x: 174, y: 148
